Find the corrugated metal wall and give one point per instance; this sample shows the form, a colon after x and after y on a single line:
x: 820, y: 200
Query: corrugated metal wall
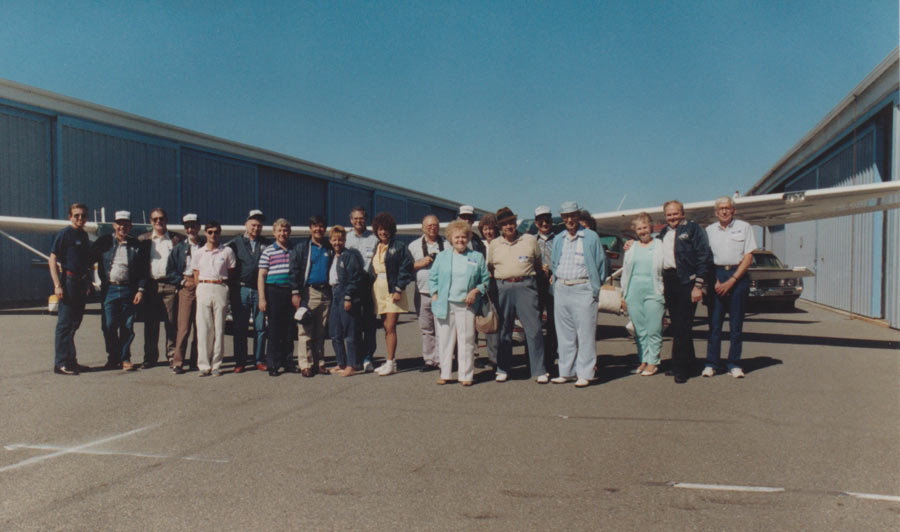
x: 104, y: 170
x: 25, y: 175
x: 392, y: 204
x: 217, y: 187
x: 344, y: 198
x: 48, y: 161
x: 290, y: 195
x: 775, y: 236
x: 845, y: 252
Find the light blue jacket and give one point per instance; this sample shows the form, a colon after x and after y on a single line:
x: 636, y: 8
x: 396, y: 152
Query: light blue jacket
x: 441, y: 274
x: 594, y: 257
x: 628, y: 267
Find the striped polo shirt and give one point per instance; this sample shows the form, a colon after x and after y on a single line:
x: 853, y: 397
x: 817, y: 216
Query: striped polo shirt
x: 277, y: 260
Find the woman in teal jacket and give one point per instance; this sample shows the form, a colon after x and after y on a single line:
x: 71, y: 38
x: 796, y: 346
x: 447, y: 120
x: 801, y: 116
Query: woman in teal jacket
x: 458, y: 279
x: 642, y: 292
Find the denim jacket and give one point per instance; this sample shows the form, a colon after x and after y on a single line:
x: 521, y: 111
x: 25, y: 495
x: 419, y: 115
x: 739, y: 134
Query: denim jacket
x: 178, y: 260
x: 104, y: 250
x: 398, y: 265
x: 349, y: 273
x: 692, y: 253
x: 594, y: 257
x: 299, y: 270
x: 442, y: 272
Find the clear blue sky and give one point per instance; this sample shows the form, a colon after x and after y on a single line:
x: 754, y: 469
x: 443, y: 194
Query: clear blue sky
x: 491, y: 103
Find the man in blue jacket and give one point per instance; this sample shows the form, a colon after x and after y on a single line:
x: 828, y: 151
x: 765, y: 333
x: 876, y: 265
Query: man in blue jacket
x: 578, y: 264
x: 123, y: 276
x: 686, y: 257
x: 244, y: 293
x: 310, y: 289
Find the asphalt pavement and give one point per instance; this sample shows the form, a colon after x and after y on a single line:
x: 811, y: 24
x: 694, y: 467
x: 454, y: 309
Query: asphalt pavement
x: 807, y: 441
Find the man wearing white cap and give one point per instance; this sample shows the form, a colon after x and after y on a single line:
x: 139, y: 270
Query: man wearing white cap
x: 543, y: 220
x: 180, y: 273
x: 244, y: 293
x: 467, y: 213
x: 122, y: 271
x: 579, y: 267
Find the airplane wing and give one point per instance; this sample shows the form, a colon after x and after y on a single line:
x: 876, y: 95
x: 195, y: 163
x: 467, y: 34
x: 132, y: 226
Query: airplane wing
x: 769, y: 275
x: 765, y: 210
x: 774, y: 209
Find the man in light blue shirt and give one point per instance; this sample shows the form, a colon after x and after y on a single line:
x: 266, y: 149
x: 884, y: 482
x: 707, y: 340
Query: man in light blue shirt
x: 364, y: 241
x: 579, y: 267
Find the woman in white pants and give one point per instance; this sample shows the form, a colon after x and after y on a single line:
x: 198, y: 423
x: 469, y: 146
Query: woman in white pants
x: 458, y: 279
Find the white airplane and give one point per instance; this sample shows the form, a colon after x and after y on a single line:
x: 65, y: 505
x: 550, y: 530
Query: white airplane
x: 764, y: 210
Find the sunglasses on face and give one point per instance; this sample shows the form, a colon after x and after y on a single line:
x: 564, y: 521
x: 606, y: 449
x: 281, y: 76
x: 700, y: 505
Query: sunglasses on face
x: 79, y: 215
x: 213, y: 232
x: 157, y: 219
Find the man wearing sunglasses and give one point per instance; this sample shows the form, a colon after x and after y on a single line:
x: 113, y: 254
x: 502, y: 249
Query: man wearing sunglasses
x: 160, y: 305
x: 70, y: 266
x: 213, y: 264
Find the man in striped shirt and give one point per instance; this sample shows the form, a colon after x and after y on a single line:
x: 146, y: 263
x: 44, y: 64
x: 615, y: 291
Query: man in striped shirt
x: 274, y: 286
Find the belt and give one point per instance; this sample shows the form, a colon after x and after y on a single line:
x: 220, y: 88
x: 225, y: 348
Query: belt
x: 117, y: 283
x: 573, y: 282
x: 727, y: 268
x: 72, y: 275
x: 210, y: 281
x: 516, y: 279
x: 248, y: 285
x: 321, y: 287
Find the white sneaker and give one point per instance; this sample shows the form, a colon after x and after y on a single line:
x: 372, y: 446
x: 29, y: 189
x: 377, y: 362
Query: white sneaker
x: 388, y: 368
x: 501, y: 377
x: 562, y: 380
x: 708, y: 372
x: 582, y: 383
x: 542, y: 379
x: 368, y: 367
x: 737, y: 373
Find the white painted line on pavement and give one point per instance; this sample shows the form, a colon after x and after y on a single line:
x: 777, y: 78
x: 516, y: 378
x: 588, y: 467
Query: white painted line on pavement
x: 114, y: 453
x: 725, y: 487
x: 69, y: 450
x: 872, y: 496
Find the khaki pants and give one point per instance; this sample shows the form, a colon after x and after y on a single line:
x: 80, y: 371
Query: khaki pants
x: 187, y: 319
x: 311, y: 337
x: 212, y: 303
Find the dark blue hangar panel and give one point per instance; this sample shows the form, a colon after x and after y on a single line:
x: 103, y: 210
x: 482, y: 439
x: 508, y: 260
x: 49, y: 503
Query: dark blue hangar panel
x: 55, y: 150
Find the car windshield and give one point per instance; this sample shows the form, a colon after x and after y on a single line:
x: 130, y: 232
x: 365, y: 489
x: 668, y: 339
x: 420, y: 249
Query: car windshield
x: 766, y: 261
x: 612, y: 243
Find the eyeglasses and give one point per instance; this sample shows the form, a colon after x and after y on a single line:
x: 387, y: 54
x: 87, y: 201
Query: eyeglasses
x: 79, y: 215
x: 213, y: 232
x: 157, y: 219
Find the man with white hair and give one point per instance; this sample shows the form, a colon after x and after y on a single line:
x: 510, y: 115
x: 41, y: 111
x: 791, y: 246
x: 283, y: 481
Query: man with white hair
x: 424, y: 250
x: 732, y: 243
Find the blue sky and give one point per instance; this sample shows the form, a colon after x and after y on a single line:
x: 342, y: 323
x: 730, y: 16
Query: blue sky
x: 490, y: 103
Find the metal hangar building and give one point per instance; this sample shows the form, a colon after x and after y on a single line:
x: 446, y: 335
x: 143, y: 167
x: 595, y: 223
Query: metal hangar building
x: 55, y: 150
x: 856, y: 258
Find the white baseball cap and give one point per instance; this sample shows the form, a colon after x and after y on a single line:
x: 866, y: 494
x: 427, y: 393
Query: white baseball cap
x: 123, y: 215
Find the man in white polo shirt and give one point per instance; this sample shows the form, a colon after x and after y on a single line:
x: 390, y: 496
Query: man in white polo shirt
x: 212, y: 264
x: 732, y: 243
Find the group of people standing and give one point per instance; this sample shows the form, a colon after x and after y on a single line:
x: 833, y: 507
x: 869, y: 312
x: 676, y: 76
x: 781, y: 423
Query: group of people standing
x: 335, y: 285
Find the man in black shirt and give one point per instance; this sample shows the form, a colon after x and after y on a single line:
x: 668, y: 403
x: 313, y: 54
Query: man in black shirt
x: 70, y: 265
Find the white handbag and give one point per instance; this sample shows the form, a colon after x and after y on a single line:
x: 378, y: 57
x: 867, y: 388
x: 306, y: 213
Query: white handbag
x: 610, y: 299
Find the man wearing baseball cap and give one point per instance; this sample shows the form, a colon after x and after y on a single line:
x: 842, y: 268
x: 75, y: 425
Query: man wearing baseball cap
x: 244, y: 292
x: 123, y: 278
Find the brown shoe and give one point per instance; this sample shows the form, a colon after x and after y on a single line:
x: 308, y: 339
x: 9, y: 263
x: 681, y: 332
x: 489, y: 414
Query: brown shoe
x: 261, y: 367
x: 323, y: 370
x: 127, y: 366
x: 306, y: 372
x: 239, y: 369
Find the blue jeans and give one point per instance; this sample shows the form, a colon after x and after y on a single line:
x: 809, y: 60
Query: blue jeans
x: 342, y: 330
x: 733, y: 303
x: 576, y: 329
x: 244, y: 306
x: 118, y: 309
x: 520, y: 299
x: 70, y: 314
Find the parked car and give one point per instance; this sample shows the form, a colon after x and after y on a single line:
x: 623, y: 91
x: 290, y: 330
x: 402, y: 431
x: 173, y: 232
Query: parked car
x: 771, y: 282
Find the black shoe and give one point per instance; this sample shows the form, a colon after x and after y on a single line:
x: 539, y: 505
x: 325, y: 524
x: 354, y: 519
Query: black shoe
x: 63, y: 370
x: 80, y: 368
x: 273, y: 373
x: 428, y: 367
x: 480, y: 363
x: 680, y: 379
x: 178, y: 370
x: 112, y: 365
x: 148, y: 365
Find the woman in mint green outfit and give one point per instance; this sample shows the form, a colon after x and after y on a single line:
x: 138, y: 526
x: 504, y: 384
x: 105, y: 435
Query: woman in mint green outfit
x: 642, y: 292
